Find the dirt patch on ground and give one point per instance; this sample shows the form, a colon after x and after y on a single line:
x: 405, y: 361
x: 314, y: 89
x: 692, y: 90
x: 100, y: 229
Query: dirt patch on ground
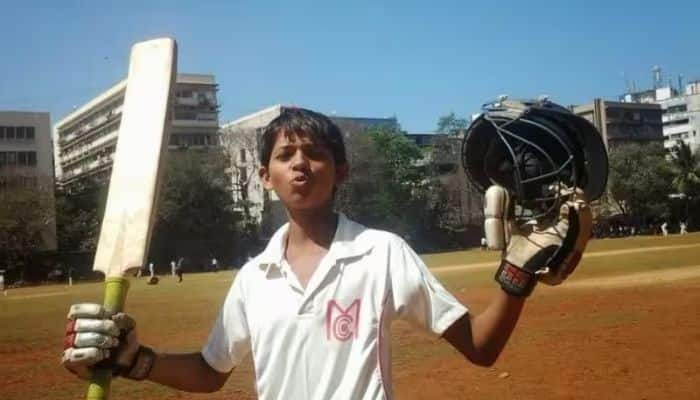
x: 629, y: 343
x: 629, y: 337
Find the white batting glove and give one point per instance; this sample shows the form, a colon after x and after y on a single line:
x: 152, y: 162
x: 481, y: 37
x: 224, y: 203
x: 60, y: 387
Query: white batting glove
x: 94, y: 338
x: 496, y: 208
x: 546, y: 251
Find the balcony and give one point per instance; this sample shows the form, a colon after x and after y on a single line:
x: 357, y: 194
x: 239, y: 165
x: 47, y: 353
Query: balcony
x: 187, y: 101
x: 188, y: 123
x: 89, y: 150
x: 672, y: 117
x: 95, y: 124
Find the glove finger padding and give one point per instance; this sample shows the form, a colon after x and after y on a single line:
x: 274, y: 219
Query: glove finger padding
x: 79, y: 361
x: 496, y: 209
x: 568, y: 255
x: 93, y: 336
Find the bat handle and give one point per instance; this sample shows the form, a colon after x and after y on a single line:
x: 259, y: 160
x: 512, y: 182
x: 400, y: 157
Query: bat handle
x: 115, y: 296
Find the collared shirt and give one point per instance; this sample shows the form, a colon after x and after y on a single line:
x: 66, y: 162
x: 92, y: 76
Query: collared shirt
x: 330, y: 340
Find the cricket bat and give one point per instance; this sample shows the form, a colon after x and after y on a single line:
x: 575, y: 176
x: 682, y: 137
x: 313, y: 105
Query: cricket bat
x: 136, y: 172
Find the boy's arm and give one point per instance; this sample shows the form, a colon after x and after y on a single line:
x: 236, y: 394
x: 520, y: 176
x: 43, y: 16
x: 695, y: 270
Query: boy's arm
x: 481, y: 338
x: 188, y: 372
x: 535, y: 252
x: 93, y: 338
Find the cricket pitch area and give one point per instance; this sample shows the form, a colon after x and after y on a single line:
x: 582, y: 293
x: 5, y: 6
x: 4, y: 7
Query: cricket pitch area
x: 626, y: 326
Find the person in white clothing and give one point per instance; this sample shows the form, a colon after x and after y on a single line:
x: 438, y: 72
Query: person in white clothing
x: 315, y: 307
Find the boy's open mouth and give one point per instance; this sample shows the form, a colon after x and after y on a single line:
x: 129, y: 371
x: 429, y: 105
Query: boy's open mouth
x: 300, y: 180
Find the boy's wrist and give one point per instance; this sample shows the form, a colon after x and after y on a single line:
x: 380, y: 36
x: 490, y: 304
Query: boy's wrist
x: 514, y: 280
x: 142, y: 365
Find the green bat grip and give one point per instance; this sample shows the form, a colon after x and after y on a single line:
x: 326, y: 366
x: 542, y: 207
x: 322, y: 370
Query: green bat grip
x: 115, y: 296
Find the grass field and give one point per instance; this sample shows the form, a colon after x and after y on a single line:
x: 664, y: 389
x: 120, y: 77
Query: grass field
x: 625, y: 326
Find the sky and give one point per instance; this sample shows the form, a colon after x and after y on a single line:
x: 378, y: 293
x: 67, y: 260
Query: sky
x: 413, y: 60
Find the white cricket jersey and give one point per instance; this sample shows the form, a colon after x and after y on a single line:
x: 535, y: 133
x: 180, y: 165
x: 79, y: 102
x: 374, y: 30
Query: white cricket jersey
x: 332, y: 339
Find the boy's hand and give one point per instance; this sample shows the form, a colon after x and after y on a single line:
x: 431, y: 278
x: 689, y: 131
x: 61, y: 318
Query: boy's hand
x: 95, y: 338
x: 545, y: 251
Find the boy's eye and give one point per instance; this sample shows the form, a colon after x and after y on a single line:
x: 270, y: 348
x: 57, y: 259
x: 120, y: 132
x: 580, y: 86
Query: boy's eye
x: 284, y: 155
x: 316, y: 153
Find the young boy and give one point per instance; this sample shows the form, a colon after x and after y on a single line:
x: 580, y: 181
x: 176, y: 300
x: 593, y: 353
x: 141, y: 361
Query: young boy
x: 315, y: 307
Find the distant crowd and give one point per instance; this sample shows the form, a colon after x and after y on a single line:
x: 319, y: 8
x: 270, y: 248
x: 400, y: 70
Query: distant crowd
x: 616, y: 230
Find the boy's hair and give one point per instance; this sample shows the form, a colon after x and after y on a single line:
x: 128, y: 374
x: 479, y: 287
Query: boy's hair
x: 304, y: 123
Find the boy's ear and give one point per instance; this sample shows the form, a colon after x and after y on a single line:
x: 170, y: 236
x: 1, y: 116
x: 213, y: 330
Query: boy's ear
x: 265, y: 178
x: 341, y: 173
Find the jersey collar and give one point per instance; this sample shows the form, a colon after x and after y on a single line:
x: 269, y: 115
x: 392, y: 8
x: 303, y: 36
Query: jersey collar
x: 348, y: 242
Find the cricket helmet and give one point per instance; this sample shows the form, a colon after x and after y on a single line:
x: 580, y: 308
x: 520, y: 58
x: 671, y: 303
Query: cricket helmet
x: 538, y: 151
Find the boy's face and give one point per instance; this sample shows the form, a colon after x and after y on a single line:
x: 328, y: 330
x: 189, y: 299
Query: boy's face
x: 301, y: 172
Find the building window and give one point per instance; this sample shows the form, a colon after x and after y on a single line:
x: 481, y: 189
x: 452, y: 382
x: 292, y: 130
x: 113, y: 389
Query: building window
x: 680, y: 108
x: 612, y: 113
x: 30, y: 133
x: 242, y: 155
x: 11, y: 158
x: 3, y: 159
x: 10, y: 132
x: 212, y: 140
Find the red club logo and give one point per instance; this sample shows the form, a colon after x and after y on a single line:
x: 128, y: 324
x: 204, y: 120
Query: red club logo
x: 341, y: 323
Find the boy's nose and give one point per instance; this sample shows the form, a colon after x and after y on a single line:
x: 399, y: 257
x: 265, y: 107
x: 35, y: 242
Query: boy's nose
x: 299, y: 160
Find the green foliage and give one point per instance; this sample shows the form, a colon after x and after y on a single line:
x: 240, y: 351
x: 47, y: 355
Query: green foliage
x: 686, y: 169
x: 195, y: 216
x: 451, y: 125
x: 640, y: 179
x: 26, y: 213
x: 386, y: 188
x: 79, y: 217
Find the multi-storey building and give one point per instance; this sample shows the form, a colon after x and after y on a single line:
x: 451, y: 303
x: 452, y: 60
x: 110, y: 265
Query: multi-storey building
x: 241, y: 139
x: 680, y: 112
x: 26, y: 160
x: 622, y: 122
x: 85, y: 140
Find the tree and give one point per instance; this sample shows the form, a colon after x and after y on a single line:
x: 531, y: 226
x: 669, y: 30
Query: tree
x: 451, y: 125
x: 240, y: 146
x: 385, y: 188
x: 459, y: 203
x: 79, y: 217
x: 686, y: 169
x: 26, y: 219
x: 640, y: 179
x: 195, y: 216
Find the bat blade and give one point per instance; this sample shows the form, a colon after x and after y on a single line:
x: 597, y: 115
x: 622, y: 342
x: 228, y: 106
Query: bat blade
x: 137, y: 169
x: 143, y: 137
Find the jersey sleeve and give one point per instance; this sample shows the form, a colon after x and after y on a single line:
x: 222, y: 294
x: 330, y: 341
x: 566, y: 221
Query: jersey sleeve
x: 229, y: 339
x: 418, y: 296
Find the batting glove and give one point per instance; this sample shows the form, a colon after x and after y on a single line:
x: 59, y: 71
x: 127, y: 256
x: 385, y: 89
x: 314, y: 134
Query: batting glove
x: 94, y: 338
x: 546, y: 251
